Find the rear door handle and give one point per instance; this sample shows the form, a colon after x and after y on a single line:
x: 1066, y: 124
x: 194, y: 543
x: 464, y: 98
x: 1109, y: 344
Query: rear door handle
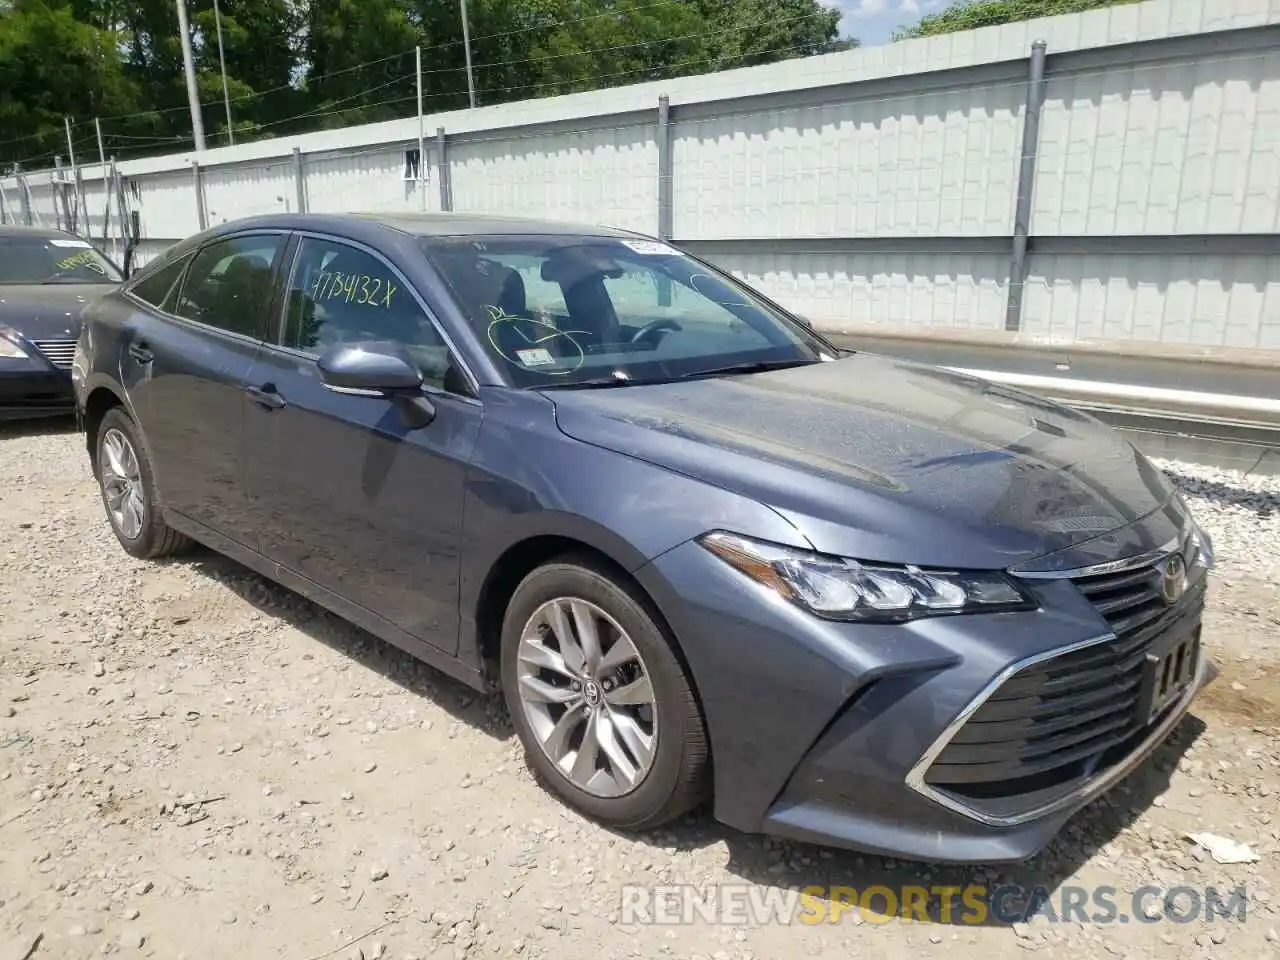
x: 140, y: 353
x: 266, y: 396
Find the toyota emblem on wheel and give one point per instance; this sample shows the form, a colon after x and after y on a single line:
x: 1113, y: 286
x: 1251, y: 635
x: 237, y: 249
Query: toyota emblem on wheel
x: 1173, y: 579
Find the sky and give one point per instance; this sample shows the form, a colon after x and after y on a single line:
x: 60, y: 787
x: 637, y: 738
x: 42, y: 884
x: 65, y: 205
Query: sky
x: 873, y: 21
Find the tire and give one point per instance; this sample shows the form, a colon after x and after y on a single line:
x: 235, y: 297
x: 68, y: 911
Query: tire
x: 121, y: 464
x: 625, y: 792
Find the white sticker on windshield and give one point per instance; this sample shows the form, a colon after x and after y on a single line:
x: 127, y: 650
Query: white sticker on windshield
x: 76, y: 244
x: 650, y: 248
x: 537, y: 357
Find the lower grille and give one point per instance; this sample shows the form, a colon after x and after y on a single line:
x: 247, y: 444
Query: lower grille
x: 1074, y: 715
x: 58, y: 352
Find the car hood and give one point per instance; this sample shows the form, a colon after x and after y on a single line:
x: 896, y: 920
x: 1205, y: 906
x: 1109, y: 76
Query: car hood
x: 49, y: 311
x: 886, y: 460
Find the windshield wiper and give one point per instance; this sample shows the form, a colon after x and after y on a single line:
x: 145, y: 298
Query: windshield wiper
x: 754, y: 366
x: 595, y: 383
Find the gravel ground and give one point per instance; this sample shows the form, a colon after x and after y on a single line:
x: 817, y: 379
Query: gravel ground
x: 195, y: 763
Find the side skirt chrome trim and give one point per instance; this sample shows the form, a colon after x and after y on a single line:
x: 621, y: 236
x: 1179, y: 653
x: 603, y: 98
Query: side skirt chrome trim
x: 1084, y: 793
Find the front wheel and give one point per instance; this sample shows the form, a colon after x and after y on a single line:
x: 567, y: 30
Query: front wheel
x: 129, y: 492
x: 599, y: 699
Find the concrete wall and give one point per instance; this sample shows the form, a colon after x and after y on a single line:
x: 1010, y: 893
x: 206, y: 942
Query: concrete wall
x: 873, y: 189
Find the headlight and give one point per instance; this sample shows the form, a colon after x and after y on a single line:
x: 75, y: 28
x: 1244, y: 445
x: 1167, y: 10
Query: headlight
x: 1197, y: 544
x: 1199, y: 547
x: 840, y: 589
x: 9, y: 348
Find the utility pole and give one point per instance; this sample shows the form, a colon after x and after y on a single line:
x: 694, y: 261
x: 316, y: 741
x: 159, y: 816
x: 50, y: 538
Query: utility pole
x: 466, y: 41
x: 422, y: 141
x: 188, y: 62
x: 222, y: 62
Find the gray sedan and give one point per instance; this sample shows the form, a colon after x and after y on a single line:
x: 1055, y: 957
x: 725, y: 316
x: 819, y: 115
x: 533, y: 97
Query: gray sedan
x: 706, y: 555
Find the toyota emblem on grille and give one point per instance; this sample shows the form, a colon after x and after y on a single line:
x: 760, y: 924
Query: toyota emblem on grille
x: 1173, y: 579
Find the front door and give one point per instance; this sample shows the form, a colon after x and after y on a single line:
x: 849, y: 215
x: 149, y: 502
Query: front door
x: 346, y: 494
x: 186, y: 366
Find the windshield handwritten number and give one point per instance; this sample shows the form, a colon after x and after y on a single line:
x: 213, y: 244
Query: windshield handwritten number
x: 360, y: 289
x: 83, y: 259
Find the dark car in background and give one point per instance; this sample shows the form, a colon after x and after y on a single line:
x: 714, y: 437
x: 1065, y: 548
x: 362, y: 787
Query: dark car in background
x: 46, y: 279
x: 703, y: 552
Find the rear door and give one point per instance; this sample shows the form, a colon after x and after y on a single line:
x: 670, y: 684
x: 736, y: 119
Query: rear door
x: 185, y: 364
x: 349, y: 497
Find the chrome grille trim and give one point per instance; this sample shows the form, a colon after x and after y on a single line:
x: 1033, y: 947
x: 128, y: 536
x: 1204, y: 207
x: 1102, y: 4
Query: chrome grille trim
x: 1126, y: 596
x: 60, y: 353
x: 1110, y: 566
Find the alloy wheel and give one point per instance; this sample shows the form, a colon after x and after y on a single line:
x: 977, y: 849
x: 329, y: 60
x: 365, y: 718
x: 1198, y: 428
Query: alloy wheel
x: 122, y: 484
x: 586, y: 693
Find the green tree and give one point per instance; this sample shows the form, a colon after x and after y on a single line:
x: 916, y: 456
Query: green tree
x: 990, y: 13
x: 54, y: 66
x: 359, y: 65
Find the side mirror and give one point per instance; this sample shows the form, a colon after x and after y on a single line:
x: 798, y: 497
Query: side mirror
x: 381, y: 369
x: 378, y: 370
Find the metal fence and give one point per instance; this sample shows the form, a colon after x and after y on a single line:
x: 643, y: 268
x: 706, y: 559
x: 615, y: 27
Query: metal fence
x: 1110, y: 177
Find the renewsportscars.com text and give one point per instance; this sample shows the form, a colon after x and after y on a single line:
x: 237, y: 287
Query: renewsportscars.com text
x: 975, y: 905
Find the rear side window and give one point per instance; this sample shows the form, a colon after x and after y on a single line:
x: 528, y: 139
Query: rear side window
x: 229, y: 285
x: 160, y: 288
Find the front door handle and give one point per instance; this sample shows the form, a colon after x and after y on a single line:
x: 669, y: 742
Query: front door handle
x: 266, y: 396
x: 140, y: 353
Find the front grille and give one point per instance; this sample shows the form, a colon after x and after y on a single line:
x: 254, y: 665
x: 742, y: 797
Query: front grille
x: 1076, y: 714
x: 58, y: 352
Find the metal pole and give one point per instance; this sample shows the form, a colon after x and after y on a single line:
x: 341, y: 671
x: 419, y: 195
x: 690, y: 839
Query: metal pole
x: 664, y: 188
x: 24, y: 194
x: 466, y: 41
x: 300, y: 179
x: 422, y: 136
x: 664, y: 167
x: 189, y: 67
x: 106, y: 187
x: 81, y: 205
x: 59, y: 194
x: 1026, y: 186
x: 222, y: 62
x: 201, y: 214
x: 442, y: 158
x: 121, y: 207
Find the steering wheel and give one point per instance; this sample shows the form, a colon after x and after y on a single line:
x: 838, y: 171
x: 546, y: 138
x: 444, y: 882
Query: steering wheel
x: 655, y: 326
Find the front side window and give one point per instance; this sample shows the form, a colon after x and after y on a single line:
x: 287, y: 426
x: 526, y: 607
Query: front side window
x: 160, y: 288
x: 230, y: 282
x: 571, y: 309
x: 340, y: 294
x: 50, y: 260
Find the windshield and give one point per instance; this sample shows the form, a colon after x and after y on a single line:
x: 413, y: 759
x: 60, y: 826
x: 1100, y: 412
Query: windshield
x: 28, y: 260
x: 566, y: 311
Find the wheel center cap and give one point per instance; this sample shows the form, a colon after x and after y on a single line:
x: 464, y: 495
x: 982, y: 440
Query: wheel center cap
x: 591, y: 691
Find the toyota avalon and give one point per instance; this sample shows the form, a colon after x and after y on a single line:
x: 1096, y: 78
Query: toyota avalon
x: 705, y: 554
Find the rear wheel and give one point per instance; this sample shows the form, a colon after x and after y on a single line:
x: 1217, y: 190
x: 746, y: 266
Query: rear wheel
x: 599, y: 699
x: 128, y: 491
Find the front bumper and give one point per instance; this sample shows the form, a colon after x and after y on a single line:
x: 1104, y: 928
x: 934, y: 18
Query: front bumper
x: 827, y: 732
x: 32, y: 388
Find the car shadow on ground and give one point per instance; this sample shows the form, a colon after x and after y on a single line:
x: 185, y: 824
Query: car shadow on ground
x: 756, y: 860
x: 38, y: 427
x: 843, y: 874
x: 482, y: 711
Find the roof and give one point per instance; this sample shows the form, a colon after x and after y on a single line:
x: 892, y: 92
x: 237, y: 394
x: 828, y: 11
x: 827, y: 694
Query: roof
x: 472, y: 224
x: 47, y: 233
x: 429, y: 224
